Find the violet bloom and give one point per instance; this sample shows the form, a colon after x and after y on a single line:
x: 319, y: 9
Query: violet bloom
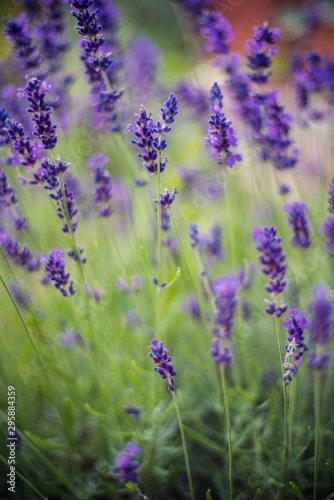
x: 261, y: 50
x: 25, y: 153
x: 327, y: 228
x: 331, y: 197
x: 142, y: 59
x: 224, y: 291
x: 321, y: 326
x: 55, y: 269
x: 210, y: 244
x: 167, y: 198
x: 7, y: 193
x: 272, y: 259
x: 102, y: 180
x: 299, y: 224
x: 193, y: 235
x: 96, y: 61
x: 221, y: 136
x: 283, y: 189
x: 35, y: 93
x: 4, y: 137
x: 192, y: 98
x: 151, y: 134
x: 132, y: 411
x: 220, y: 352
x: 126, y: 468
x: 217, y: 31
x: 19, y: 254
x: 295, y: 348
x: 163, y: 363
x: 17, y: 32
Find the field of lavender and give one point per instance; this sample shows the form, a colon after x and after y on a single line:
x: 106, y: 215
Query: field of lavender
x: 167, y: 246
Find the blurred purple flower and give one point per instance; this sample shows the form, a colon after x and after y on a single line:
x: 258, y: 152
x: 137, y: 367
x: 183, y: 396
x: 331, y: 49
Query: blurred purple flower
x: 298, y: 223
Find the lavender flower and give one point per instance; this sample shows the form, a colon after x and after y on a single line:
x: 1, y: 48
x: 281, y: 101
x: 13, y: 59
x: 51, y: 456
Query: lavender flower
x: 4, y: 138
x: 165, y: 219
x: 126, y: 468
x: 66, y: 206
x: 25, y: 153
x: 163, y: 363
x: 221, y: 136
x: 55, y: 269
x: 224, y: 290
x: 17, y: 32
x: 142, y: 59
x: 102, y: 180
x: 220, y: 352
x: 210, y: 244
x: 295, y: 348
x: 321, y: 326
x: 97, y: 63
x: 20, y: 295
x: 217, y: 31
x: 19, y: 254
x: 193, y: 235
x: 327, y: 228
x: 272, y: 260
x: 299, y: 224
x: 167, y: 198
x: 261, y: 49
x: 132, y: 411
x: 192, y: 98
x: 7, y: 193
x: 283, y: 189
x: 331, y: 197
x: 150, y: 135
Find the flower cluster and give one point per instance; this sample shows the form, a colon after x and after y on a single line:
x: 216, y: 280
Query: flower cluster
x: 217, y: 31
x: 55, y: 270
x: 7, y: 192
x: 103, y: 188
x: 163, y: 363
x: 221, y: 136
x: 19, y: 254
x: 150, y: 135
x: 193, y: 235
x: 321, y: 327
x: 272, y: 259
x: 299, y: 224
x: 193, y: 98
x: 261, y: 50
x: 327, y: 227
x: 167, y: 198
x: 126, y: 468
x: 210, y: 245
x: 97, y: 62
x: 295, y: 348
x: 25, y: 153
x: 35, y: 93
x: 17, y: 32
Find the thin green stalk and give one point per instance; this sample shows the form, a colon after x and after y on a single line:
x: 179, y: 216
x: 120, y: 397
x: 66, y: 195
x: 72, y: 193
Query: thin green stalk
x: 229, y: 434
x: 24, y: 479
x: 286, y: 423
x: 317, y: 384
x: 184, y: 444
x: 228, y: 214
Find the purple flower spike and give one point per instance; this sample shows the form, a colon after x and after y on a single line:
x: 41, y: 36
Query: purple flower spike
x: 55, y: 269
x: 295, y: 348
x: 102, y: 181
x: 299, y: 224
x: 167, y: 198
x: 327, y: 228
x: 126, y: 468
x: 220, y: 352
x: 221, y: 136
x: 331, y: 197
x: 193, y: 235
x: 163, y: 363
x: 271, y: 258
x: 217, y: 31
x: 261, y: 50
x: 19, y: 254
x: 224, y: 290
x: 35, y: 93
x: 321, y: 326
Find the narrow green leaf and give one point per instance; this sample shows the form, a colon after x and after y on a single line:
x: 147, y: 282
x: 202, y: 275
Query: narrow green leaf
x: 277, y: 483
x: 97, y: 414
x: 197, y: 436
x: 297, y: 491
x: 44, y: 444
x: 208, y: 496
x: 130, y: 486
x: 330, y: 496
x: 266, y: 450
x: 258, y: 494
x: 330, y: 468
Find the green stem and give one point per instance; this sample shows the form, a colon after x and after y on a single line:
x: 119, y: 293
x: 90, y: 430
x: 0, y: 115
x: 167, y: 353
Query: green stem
x: 229, y: 434
x: 184, y: 444
x: 317, y: 385
x: 286, y: 421
x: 25, y: 480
